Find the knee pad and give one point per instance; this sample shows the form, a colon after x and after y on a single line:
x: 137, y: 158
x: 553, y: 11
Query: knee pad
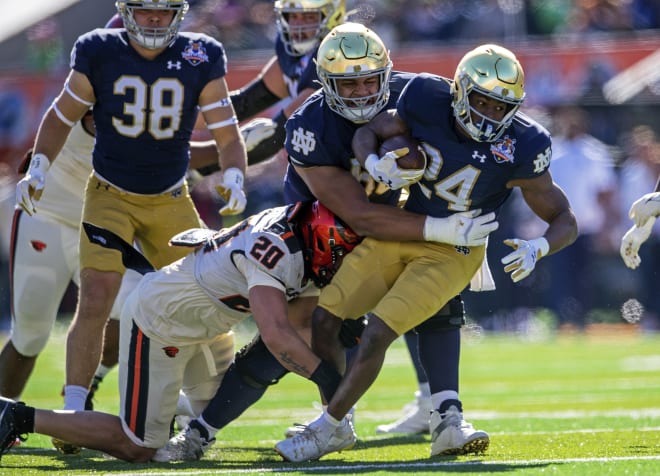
x: 451, y: 316
x: 257, y: 366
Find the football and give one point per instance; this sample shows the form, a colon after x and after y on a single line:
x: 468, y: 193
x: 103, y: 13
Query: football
x: 414, y: 159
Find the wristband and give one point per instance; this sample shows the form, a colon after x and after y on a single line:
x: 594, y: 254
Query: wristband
x: 39, y: 162
x: 541, y: 245
x: 432, y: 227
x: 233, y: 175
x: 371, y: 161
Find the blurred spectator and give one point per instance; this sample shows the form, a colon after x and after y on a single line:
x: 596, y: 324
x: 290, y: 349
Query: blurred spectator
x: 583, y: 167
x: 14, y: 126
x: 45, y: 49
x: 239, y: 25
x: 7, y: 187
x: 589, y: 16
x: 544, y: 17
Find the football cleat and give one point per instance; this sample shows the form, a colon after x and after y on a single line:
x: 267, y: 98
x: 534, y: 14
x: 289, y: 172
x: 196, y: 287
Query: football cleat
x: 8, y: 435
x: 188, y: 445
x: 451, y: 435
x: 64, y: 447
x: 306, y: 445
x: 89, y: 402
x: 415, y: 419
x: 298, y: 427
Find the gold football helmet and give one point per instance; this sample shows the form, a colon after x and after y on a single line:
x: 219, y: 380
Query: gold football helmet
x: 495, y: 72
x: 352, y: 51
x: 149, y: 37
x: 301, y: 39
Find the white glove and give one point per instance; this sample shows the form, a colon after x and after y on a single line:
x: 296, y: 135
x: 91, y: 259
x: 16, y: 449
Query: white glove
x: 523, y: 260
x: 644, y: 208
x: 632, y: 240
x: 256, y: 131
x: 231, y: 191
x: 461, y: 229
x: 385, y: 169
x: 31, y: 185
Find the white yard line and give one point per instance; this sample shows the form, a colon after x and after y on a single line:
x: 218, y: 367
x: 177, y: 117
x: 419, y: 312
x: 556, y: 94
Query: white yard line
x: 425, y: 466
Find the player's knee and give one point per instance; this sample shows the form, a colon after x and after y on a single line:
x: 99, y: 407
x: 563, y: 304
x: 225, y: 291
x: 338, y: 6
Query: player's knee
x: 29, y: 343
x: 257, y: 366
x: 451, y: 316
x: 325, y: 323
x: 377, y: 336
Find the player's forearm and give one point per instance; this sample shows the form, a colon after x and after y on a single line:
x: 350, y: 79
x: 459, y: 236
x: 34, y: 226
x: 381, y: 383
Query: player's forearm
x: 366, y: 138
x: 562, y: 231
x: 292, y: 352
x: 51, y: 136
x: 233, y: 154
x: 386, y: 222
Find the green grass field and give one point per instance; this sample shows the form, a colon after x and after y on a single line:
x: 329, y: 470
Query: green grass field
x: 564, y: 405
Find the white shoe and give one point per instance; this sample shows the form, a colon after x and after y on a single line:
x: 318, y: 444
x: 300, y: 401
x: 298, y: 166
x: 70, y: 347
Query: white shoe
x: 298, y: 427
x: 452, y: 435
x: 188, y: 445
x: 415, y: 419
x: 306, y: 445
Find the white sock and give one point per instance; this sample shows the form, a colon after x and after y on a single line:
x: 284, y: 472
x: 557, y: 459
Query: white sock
x: 424, y: 390
x: 212, y: 430
x: 325, y: 425
x: 74, y: 397
x: 438, y: 398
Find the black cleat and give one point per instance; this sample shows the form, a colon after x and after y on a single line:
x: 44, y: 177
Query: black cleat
x: 89, y: 403
x: 8, y: 434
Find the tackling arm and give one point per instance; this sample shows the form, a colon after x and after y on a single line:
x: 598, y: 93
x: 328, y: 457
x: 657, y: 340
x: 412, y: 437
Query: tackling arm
x: 338, y: 190
x: 270, y: 311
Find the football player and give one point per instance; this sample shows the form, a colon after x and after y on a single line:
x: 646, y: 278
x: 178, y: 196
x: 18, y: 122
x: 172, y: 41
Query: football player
x: 45, y: 260
x: 146, y: 83
x: 290, y: 74
x: 176, y: 327
x: 643, y: 212
x: 319, y: 147
x: 479, y: 147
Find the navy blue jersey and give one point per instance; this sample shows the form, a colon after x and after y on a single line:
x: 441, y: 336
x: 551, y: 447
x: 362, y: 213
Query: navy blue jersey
x: 299, y: 71
x: 316, y: 135
x: 145, y: 110
x: 463, y: 174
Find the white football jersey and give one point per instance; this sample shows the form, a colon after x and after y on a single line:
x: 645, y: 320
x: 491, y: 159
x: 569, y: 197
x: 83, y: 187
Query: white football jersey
x: 206, y: 293
x: 62, y: 199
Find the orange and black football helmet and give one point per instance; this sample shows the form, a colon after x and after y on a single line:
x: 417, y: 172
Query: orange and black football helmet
x: 326, y: 239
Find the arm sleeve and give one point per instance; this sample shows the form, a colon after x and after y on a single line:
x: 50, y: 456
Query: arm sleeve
x: 252, y: 99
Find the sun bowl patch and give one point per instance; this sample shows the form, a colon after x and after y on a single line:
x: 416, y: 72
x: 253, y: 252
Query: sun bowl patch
x: 195, y: 53
x: 503, y: 150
